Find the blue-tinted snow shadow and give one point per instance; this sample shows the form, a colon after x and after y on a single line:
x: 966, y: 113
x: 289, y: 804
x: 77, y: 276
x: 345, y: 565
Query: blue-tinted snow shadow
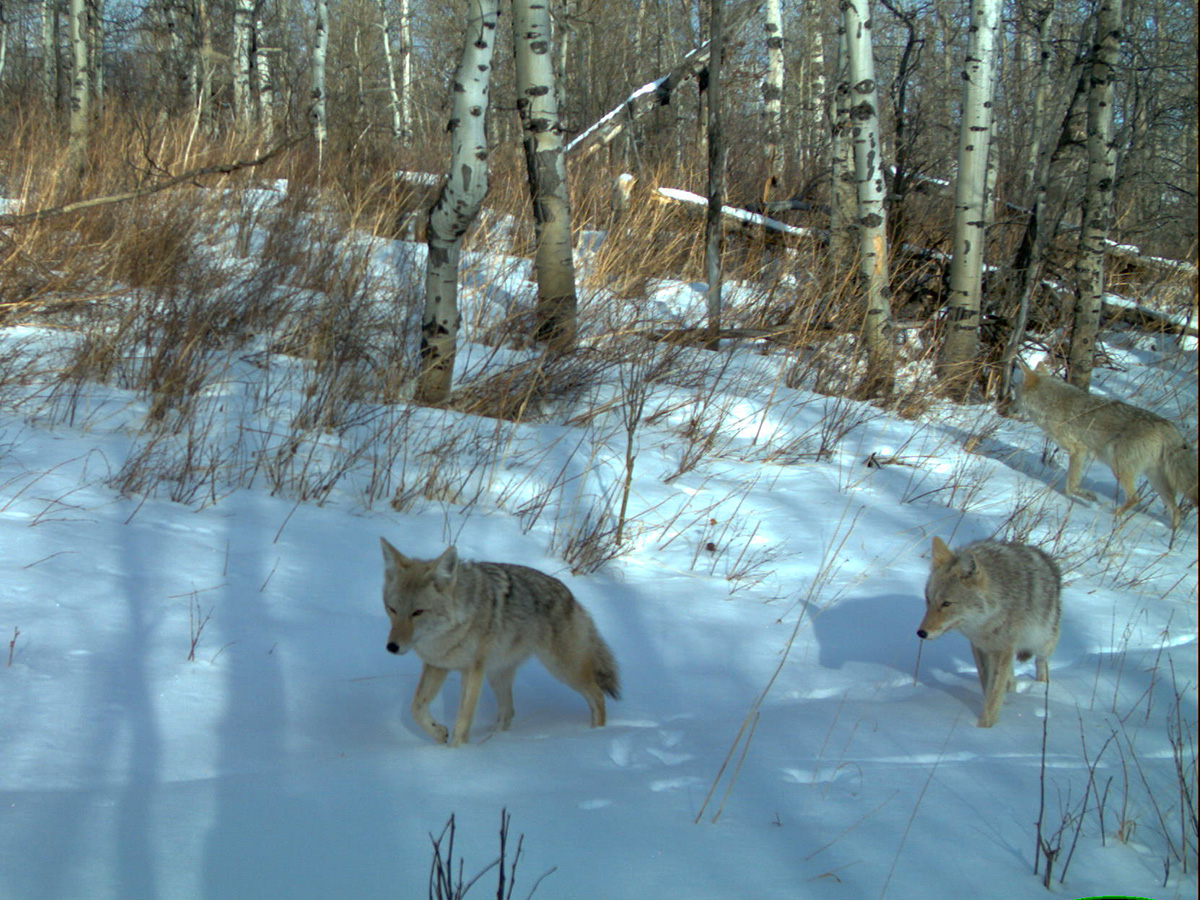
x: 882, y: 630
x: 120, y: 731
x: 282, y: 825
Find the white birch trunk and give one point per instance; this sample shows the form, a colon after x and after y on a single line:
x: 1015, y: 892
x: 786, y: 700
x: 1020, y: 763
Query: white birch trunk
x: 869, y: 180
x: 95, y: 43
x: 542, y: 138
x: 406, y: 68
x: 316, y: 109
x: 458, y: 203
x: 389, y: 62
x: 3, y: 40
x: 843, y: 232
x: 813, y: 115
x: 243, y: 38
x: 1098, y: 197
x: 772, y: 94
x: 969, y: 240
x: 265, y: 85
x: 1040, y: 91
x: 80, y: 94
x: 204, y: 63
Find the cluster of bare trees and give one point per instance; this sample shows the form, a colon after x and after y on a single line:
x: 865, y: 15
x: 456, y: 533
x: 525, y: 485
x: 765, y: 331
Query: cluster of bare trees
x: 1045, y: 126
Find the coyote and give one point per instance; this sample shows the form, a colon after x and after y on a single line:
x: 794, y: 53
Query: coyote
x: 485, y: 618
x: 1131, y: 440
x: 1005, y: 599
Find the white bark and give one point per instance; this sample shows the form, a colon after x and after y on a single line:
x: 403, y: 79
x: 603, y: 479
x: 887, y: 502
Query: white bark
x: 316, y: 110
x: 542, y: 138
x: 3, y: 40
x: 406, y: 68
x: 205, y: 58
x: 266, y: 86
x: 95, y: 45
x: 772, y: 94
x: 389, y: 62
x: 458, y: 203
x: 80, y: 94
x: 969, y: 239
x: 869, y: 180
x: 813, y: 114
x: 243, y: 37
x: 843, y: 232
x: 1098, y: 198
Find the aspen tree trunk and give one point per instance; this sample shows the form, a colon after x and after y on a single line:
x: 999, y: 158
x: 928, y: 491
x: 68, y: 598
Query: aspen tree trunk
x: 80, y: 94
x: 1098, y: 198
x: 385, y: 31
x: 872, y: 223
x: 204, y: 63
x: 243, y: 35
x: 843, y: 232
x: 406, y: 68
x: 458, y: 203
x: 1045, y: 23
x: 772, y: 94
x: 95, y: 41
x: 50, y: 52
x: 713, y: 227
x: 542, y: 139
x: 265, y: 85
x: 3, y: 40
x: 316, y: 110
x: 815, y: 114
x: 957, y: 364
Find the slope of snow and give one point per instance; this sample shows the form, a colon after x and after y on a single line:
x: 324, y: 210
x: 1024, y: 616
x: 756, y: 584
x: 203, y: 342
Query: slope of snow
x: 787, y: 566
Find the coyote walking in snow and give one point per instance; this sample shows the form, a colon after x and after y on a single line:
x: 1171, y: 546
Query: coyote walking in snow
x: 484, y: 618
x: 1131, y: 440
x: 1005, y: 599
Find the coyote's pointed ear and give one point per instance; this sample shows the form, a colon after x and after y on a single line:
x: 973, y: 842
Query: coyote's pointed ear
x: 1042, y: 368
x: 392, y: 558
x: 941, y: 553
x: 1025, y: 370
x: 968, y: 569
x: 445, y: 567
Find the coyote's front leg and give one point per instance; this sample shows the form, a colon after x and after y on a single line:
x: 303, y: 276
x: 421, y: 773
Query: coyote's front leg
x: 432, y: 679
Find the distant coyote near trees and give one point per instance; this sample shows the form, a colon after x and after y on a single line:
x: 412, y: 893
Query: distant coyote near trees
x: 1131, y: 441
x: 1006, y: 599
x: 486, y: 618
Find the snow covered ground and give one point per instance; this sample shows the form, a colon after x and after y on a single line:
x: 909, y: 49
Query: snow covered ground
x: 198, y: 703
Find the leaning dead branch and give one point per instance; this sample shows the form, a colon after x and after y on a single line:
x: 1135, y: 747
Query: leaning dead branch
x: 7, y: 221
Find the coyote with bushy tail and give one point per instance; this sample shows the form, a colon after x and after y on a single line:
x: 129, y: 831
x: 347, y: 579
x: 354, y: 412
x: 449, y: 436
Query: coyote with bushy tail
x: 1006, y: 599
x: 1132, y: 441
x: 485, y: 619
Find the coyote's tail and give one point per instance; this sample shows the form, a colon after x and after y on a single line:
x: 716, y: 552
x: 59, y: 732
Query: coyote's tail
x: 608, y: 678
x: 1179, y: 465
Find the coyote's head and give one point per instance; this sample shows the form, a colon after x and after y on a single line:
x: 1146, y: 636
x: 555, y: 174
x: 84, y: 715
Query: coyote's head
x: 418, y: 596
x: 952, y: 592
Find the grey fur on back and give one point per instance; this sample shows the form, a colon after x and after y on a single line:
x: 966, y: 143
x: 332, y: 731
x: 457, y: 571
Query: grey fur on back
x: 525, y: 598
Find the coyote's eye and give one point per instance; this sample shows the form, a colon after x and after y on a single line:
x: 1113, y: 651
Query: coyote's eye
x: 947, y: 605
x: 391, y: 612
x: 417, y: 612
